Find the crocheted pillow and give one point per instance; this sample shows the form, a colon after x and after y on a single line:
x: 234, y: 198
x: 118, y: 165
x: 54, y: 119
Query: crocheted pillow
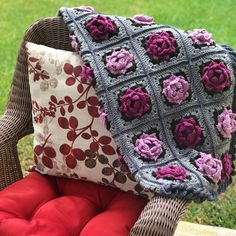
x: 70, y: 138
x: 167, y: 95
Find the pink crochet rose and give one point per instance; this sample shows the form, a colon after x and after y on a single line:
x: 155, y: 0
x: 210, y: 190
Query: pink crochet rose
x: 74, y: 43
x: 103, y: 116
x: 142, y: 19
x: 101, y: 28
x: 171, y: 172
x: 86, y: 8
x: 227, y: 163
x: 209, y: 166
x: 161, y: 46
x: 226, y: 123
x: 176, y: 89
x: 201, y: 37
x: 86, y: 73
x: 119, y: 62
x: 149, y: 146
x: 188, y: 133
x: 134, y: 103
x: 216, y: 77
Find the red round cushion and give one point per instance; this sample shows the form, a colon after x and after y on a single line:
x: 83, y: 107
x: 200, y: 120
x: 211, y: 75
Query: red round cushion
x: 41, y: 205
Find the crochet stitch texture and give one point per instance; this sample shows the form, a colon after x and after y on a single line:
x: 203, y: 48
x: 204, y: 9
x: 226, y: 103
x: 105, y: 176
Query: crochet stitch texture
x: 164, y: 97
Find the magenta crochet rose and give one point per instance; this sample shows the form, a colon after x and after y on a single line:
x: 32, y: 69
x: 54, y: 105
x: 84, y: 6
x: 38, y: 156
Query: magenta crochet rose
x: 227, y: 163
x: 176, y: 89
x: 101, y: 28
x: 226, y: 123
x: 134, y: 103
x: 201, y: 37
x: 171, y: 172
x: 119, y: 62
x: 86, y: 73
x: 188, y: 133
x: 142, y: 19
x: 86, y: 8
x: 148, y: 146
x: 161, y: 46
x: 209, y: 166
x: 216, y: 77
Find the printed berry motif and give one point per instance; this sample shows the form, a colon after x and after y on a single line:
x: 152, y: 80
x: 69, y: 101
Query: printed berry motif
x: 101, y: 28
x: 176, y: 89
x: 142, y: 20
x: 134, y: 103
x: 149, y: 146
x: 161, y: 46
x: 209, y: 166
x: 188, y: 133
x: 216, y: 77
x: 119, y: 62
x: 226, y: 123
x: 171, y: 172
x: 201, y: 37
x: 227, y: 164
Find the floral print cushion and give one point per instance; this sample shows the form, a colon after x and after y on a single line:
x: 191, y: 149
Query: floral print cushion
x: 166, y: 96
x: 70, y: 136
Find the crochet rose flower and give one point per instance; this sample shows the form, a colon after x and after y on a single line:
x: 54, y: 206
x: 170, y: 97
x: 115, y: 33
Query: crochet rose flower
x: 227, y: 163
x: 209, y: 166
x: 148, y: 146
x: 201, y: 37
x: 188, y: 133
x: 86, y: 8
x: 216, y: 77
x: 86, y: 73
x: 226, y: 123
x: 142, y: 19
x: 134, y: 103
x: 161, y: 46
x: 171, y: 172
x: 176, y: 89
x: 101, y: 28
x: 119, y: 62
x: 74, y: 43
x: 103, y: 116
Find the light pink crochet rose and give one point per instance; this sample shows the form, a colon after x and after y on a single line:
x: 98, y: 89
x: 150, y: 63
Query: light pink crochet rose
x: 201, y: 37
x: 86, y: 8
x: 149, y: 146
x: 142, y: 19
x: 209, y: 166
x: 176, y: 89
x: 171, y: 172
x: 226, y: 123
x: 119, y: 62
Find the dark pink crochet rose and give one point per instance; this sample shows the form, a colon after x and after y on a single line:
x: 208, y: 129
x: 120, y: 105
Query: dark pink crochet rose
x: 161, y: 46
x: 227, y: 163
x: 171, y: 172
x: 216, y: 77
x: 188, y: 133
x: 86, y: 73
x: 134, y: 103
x: 101, y: 27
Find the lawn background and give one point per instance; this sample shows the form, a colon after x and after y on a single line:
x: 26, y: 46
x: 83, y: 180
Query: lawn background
x: 218, y: 17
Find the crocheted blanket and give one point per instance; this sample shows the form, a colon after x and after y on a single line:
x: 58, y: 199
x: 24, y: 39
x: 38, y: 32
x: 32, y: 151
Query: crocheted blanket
x: 167, y: 98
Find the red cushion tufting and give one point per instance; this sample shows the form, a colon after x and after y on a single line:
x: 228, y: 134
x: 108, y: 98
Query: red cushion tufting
x: 40, y: 205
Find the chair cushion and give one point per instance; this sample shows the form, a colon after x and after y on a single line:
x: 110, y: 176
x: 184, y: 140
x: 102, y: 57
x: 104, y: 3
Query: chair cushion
x: 70, y: 138
x: 41, y: 205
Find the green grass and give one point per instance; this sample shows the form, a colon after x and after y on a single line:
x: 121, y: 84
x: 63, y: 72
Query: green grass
x: 216, y: 16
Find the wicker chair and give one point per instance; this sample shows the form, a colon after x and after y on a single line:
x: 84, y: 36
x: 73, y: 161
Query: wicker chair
x: 159, y: 217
